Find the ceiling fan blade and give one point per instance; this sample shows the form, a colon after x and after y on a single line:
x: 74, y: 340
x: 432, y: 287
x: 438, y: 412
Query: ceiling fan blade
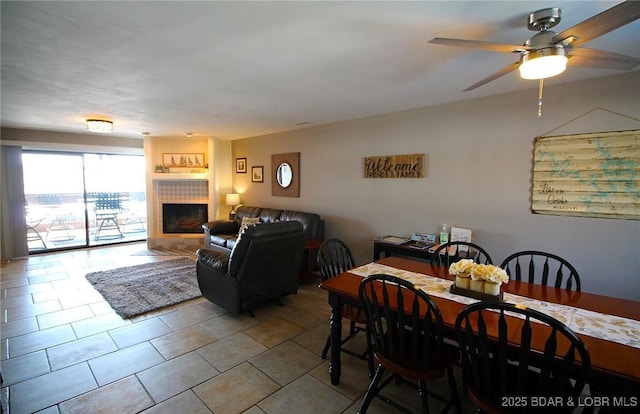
x: 478, y: 44
x: 494, y: 76
x: 601, y: 59
x: 601, y: 23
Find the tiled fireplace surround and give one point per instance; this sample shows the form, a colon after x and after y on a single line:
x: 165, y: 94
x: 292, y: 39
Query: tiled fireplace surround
x: 176, y: 191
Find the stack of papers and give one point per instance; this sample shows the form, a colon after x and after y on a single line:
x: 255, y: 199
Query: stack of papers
x: 393, y: 239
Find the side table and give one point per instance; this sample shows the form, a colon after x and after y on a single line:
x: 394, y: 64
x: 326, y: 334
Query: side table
x: 309, y: 246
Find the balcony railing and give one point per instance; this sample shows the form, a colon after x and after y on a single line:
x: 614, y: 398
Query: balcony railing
x: 57, y: 221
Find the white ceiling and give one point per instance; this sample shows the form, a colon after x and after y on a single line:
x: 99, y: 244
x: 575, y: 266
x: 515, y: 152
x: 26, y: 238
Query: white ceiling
x: 239, y: 69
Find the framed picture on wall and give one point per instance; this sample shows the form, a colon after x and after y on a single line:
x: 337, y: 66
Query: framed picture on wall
x: 241, y: 165
x: 187, y: 160
x: 257, y: 174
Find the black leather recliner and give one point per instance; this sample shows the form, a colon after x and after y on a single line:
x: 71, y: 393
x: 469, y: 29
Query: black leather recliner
x: 262, y: 266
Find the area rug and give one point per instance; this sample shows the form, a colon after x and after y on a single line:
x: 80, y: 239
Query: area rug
x: 190, y: 251
x: 138, y: 289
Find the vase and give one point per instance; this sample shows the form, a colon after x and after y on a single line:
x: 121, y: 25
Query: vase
x: 476, y: 285
x: 462, y: 282
x: 491, y: 288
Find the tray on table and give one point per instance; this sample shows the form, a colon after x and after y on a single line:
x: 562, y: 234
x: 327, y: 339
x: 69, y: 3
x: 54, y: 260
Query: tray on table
x: 485, y: 297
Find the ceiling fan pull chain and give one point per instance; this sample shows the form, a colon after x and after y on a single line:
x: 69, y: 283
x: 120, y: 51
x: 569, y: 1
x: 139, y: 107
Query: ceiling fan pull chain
x: 540, y: 87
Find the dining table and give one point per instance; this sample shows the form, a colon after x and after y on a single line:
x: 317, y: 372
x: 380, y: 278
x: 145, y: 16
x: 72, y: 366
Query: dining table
x: 615, y: 362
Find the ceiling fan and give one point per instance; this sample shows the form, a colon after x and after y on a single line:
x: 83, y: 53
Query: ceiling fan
x: 547, y: 53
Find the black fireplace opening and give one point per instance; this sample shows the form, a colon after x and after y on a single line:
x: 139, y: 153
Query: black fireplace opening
x: 184, y: 218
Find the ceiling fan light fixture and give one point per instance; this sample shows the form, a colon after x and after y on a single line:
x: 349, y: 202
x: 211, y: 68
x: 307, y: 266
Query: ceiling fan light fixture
x: 99, y: 125
x: 543, y: 63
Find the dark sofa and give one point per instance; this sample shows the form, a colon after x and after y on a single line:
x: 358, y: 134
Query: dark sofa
x: 262, y: 266
x: 221, y: 235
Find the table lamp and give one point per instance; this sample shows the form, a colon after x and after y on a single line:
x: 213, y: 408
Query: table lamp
x: 232, y: 200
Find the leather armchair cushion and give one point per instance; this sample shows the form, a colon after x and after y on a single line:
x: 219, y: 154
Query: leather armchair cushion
x: 224, y: 240
x: 311, y: 222
x: 262, y: 231
x: 214, y: 259
x: 270, y: 215
x: 252, y: 232
x: 222, y: 227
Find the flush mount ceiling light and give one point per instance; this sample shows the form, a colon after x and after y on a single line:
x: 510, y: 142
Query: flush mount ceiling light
x: 543, y: 63
x: 99, y: 125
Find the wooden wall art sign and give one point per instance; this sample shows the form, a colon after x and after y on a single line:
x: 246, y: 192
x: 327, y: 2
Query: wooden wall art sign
x: 587, y: 175
x: 285, y: 175
x: 394, y: 166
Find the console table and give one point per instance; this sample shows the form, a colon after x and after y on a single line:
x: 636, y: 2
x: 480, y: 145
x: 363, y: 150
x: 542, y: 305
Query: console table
x: 404, y: 249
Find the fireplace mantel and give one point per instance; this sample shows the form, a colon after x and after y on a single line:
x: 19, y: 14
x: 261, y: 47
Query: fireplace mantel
x: 179, y: 176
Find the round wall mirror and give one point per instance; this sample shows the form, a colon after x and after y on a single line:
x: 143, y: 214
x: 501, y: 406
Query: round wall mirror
x: 284, y: 175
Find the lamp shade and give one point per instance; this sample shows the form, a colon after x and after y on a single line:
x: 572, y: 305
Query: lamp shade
x: 543, y: 63
x: 232, y: 199
x: 99, y: 125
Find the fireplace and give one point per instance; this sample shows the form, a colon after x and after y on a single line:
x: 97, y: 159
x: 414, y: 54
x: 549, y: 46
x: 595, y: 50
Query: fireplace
x: 183, y: 218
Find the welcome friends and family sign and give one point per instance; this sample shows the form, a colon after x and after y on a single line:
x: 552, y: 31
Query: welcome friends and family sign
x: 394, y: 166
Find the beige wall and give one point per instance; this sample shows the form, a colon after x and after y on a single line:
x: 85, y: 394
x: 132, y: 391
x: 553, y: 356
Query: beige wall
x: 478, y: 174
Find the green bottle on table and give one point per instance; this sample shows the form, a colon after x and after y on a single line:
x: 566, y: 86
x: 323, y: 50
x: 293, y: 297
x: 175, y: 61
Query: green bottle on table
x: 444, y: 234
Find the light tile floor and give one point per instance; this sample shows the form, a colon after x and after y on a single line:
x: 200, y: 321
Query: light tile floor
x: 64, y: 350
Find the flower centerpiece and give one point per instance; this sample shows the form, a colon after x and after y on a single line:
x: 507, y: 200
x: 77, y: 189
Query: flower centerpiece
x: 487, y: 279
x: 462, y: 270
x: 481, y: 278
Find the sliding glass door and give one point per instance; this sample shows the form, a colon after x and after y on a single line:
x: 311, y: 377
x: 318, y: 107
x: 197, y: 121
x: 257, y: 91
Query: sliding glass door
x: 54, y: 200
x: 78, y: 200
x: 116, y: 203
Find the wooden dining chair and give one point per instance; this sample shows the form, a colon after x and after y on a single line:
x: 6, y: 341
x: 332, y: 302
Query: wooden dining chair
x: 454, y: 251
x: 542, y: 268
x: 334, y: 257
x: 511, y: 354
x: 406, y: 331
